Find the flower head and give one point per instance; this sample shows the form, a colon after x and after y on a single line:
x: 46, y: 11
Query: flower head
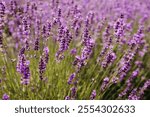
x: 5, y: 97
x: 93, y: 95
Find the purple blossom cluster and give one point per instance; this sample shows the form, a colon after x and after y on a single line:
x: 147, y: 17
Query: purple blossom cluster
x: 110, y: 57
x: 119, y: 28
x: 64, y: 40
x: 93, y: 95
x: 2, y: 13
x: 104, y: 84
x: 81, y: 60
x: 5, y: 97
x: 43, y: 62
x: 23, y: 67
x: 129, y: 83
x: 145, y: 87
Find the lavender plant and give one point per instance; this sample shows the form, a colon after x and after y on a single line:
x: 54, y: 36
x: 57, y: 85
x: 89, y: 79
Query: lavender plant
x: 74, y: 49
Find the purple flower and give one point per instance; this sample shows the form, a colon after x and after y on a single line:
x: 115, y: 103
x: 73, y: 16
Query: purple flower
x: 133, y: 95
x: 2, y: 13
x: 129, y: 83
x: 93, y: 95
x: 143, y: 19
x: 42, y: 67
x: 137, y: 39
x: 129, y: 26
x: 2, y: 9
x: 119, y: 28
x: 67, y: 98
x: 5, y: 97
x: 26, y: 30
x: 104, y: 84
x: 135, y: 73
x: 110, y: 57
x: 22, y: 51
x: 146, y: 84
x: 104, y: 50
x: 138, y: 63
x: 148, y: 29
x: 1, y: 39
x: 73, y: 92
x: 106, y: 34
x: 21, y: 63
x: 64, y: 39
x: 115, y: 80
x: 23, y: 67
x: 43, y: 62
x: 13, y: 6
x: 73, y: 51
x: 144, y: 88
x: 81, y: 61
x: 59, y: 12
x: 125, y: 64
x: 26, y: 74
x: 37, y: 27
x: 44, y: 31
x: 106, y: 80
x: 72, y: 76
x: 61, y: 32
x: 46, y: 53
x: 36, y: 45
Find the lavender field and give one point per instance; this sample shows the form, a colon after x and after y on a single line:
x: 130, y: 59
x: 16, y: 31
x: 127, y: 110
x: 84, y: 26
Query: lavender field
x: 74, y: 49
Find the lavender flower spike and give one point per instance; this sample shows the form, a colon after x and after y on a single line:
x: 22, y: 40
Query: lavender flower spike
x: 71, y: 78
x: 105, y: 83
x: 26, y: 74
x: 93, y: 95
x: 46, y: 52
x: 42, y: 68
x: 133, y: 95
x: 144, y: 88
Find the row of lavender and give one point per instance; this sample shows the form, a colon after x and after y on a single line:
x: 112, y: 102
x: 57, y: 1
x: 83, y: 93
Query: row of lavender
x: 67, y: 49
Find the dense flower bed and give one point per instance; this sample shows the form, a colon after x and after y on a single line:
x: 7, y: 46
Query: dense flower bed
x: 75, y: 49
